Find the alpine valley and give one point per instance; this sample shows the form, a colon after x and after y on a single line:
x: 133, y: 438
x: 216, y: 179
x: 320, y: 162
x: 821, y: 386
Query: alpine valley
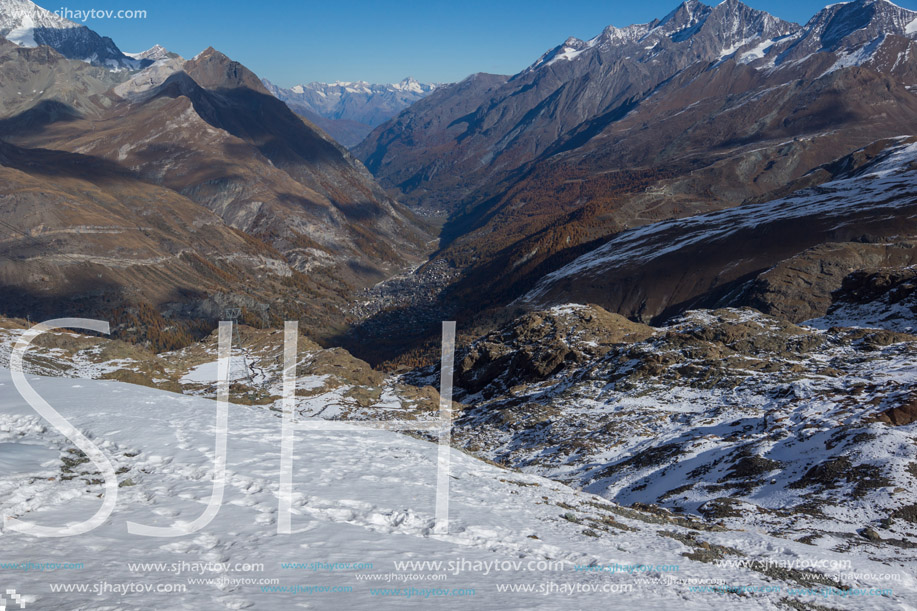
x: 682, y: 260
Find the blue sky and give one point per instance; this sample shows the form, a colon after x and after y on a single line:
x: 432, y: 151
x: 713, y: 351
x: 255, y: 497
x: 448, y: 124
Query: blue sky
x: 289, y: 41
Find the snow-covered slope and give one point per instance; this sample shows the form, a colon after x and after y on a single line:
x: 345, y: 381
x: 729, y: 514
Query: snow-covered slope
x: 731, y: 414
x: 360, y: 497
x: 332, y: 383
x: 20, y: 19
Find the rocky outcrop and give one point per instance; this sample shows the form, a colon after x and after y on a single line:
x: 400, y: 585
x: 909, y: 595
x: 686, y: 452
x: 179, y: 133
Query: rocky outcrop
x: 732, y: 414
x: 540, y: 344
x: 885, y: 298
x: 901, y: 415
x: 804, y: 286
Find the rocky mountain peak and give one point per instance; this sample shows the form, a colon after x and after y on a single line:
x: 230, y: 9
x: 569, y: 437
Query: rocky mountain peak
x: 685, y: 15
x: 212, y: 69
x: 836, y: 22
x: 846, y: 27
x: 702, y: 32
x: 154, y: 53
x: 539, y: 344
x: 733, y: 24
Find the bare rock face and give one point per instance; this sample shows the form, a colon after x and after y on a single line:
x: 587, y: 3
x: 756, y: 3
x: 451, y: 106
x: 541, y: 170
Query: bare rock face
x: 892, y: 285
x: 804, y: 286
x: 212, y: 70
x: 539, y: 344
x: 40, y: 87
x: 901, y: 415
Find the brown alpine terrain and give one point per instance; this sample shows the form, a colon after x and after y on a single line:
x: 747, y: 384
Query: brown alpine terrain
x: 785, y: 256
x: 188, y: 188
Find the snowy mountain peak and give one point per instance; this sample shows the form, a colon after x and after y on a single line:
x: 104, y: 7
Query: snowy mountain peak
x: 847, y: 29
x: 29, y: 25
x: 686, y: 11
x: 154, y: 53
x: 20, y: 19
x: 413, y: 85
x: 839, y: 20
x: 715, y: 33
x: 355, y: 100
x: 734, y: 25
x: 349, y: 110
x: 732, y: 29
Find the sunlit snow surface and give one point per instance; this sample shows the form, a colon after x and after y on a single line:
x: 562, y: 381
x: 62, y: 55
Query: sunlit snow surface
x: 361, y: 497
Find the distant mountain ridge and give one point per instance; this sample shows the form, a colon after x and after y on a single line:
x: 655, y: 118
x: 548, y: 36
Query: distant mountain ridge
x: 348, y: 111
x: 569, y: 94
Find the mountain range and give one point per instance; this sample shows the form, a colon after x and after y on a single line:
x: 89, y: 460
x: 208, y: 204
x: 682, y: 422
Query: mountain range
x: 705, y: 109
x: 702, y: 111
x: 174, y: 191
x: 496, y: 127
x: 348, y: 111
x: 682, y: 260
